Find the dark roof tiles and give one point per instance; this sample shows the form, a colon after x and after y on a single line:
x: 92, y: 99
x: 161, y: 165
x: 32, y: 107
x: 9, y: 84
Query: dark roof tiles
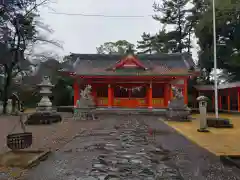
x: 84, y: 64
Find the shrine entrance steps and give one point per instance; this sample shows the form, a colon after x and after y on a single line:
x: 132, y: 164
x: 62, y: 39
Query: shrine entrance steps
x: 99, y: 110
x: 145, y: 111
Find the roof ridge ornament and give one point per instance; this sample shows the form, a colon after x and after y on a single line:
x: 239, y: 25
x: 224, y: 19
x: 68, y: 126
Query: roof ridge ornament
x: 130, y: 61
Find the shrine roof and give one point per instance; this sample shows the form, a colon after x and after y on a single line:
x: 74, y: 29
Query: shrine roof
x: 145, y: 64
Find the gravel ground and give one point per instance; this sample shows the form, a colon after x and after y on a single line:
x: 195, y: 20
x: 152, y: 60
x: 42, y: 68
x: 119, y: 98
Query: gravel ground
x: 120, y: 147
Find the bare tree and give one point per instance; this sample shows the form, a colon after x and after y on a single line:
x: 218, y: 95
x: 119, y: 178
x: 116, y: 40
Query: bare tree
x: 18, y: 33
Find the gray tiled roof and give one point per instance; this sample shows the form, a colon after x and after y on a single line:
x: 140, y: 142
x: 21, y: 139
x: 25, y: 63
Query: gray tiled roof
x: 47, y: 68
x: 98, y: 63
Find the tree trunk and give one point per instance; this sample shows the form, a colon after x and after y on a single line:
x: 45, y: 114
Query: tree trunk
x: 6, y: 89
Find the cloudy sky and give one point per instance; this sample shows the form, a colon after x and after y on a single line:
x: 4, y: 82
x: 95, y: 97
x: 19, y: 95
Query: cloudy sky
x: 82, y: 34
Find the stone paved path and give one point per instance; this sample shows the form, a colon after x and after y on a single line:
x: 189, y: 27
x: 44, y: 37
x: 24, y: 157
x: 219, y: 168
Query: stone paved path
x: 120, y: 147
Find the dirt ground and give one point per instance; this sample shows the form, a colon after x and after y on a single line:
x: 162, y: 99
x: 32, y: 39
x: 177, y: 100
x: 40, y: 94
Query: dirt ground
x: 44, y: 136
x: 120, y: 147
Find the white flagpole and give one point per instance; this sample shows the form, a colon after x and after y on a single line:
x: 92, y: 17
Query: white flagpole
x: 215, y: 60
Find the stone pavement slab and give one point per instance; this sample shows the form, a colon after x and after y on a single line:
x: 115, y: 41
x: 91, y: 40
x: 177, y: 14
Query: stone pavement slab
x: 220, y: 141
x: 77, y: 157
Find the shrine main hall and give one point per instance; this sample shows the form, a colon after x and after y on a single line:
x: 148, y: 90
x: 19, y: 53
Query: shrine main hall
x: 130, y: 81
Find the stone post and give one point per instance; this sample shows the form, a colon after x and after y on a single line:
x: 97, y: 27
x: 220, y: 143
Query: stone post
x: 202, y: 100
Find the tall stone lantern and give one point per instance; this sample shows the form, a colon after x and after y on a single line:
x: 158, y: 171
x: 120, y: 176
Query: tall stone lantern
x: 44, y: 112
x: 45, y: 91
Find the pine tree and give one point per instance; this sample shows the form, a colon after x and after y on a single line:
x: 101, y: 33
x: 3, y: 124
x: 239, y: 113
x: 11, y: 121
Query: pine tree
x: 227, y: 31
x: 157, y: 43
x: 146, y: 44
x: 174, y: 14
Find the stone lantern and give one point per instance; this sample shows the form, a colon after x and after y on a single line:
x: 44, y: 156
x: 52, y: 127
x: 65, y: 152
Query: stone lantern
x: 44, y: 112
x: 45, y: 91
x: 203, y: 113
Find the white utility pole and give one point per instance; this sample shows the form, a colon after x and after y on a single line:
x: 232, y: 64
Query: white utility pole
x: 215, y: 59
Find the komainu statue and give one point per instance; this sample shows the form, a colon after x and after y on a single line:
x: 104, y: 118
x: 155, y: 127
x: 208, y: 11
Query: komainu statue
x: 177, y: 110
x: 86, y: 105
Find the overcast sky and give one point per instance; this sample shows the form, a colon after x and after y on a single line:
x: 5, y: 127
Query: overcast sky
x: 81, y: 34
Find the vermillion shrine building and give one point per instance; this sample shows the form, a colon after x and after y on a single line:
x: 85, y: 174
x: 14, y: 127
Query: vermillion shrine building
x: 131, y: 81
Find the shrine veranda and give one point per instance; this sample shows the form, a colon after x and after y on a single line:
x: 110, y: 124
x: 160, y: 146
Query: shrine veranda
x: 131, y: 81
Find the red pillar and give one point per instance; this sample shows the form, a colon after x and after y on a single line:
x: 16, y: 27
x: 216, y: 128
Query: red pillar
x: 150, y: 96
x: 228, y: 99
x: 110, y: 96
x: 170, y: 91
x: 76, y: 92
x: 185, y: 89
x: 166, y: 94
